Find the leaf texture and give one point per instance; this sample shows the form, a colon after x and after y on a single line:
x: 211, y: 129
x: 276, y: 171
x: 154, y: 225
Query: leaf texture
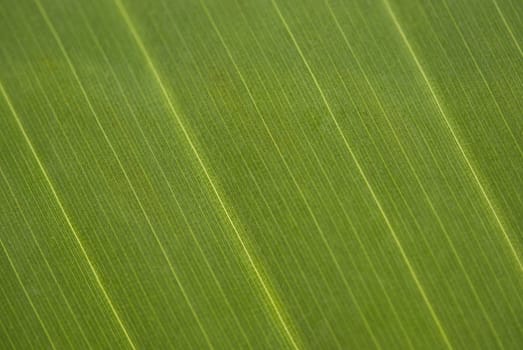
x: 313, y: 174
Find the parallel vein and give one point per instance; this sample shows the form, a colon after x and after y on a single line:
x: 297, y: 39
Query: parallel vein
x: 124, y: 172
x: 277, y: 309
x: 403, y: 254
x: 458, y: 143
x: 67, y: 218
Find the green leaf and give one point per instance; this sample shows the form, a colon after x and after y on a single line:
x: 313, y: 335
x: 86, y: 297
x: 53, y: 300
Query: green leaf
x: 261, y: 174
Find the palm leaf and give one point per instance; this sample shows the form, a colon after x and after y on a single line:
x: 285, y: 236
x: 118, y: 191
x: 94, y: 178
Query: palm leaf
x: 261, y: 174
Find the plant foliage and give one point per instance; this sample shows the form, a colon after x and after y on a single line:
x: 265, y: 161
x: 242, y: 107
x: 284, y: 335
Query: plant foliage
x: 264, y: 174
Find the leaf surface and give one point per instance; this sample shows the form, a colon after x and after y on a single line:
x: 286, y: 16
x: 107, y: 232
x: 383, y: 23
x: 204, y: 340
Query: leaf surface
x: 261, y: 174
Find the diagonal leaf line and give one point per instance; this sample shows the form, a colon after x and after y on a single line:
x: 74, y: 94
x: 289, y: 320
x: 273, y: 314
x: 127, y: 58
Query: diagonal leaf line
x: 317, y: 155
x: 82, y: 169
x: 67, y: 218
x: 44, y: 258
x: 416, y: 176
x: 482, y: 76
x: 212, y: 99
x: 74, y: 153
x: 254, y: 265
x: 461, y: 149
x: 507, y: 26
x: 477, y: 213
x: 295, y: 181
x: 262, y: 195
x: 296, y: 184
x: 164, y: 175
x: 247, y: 167
x: 332, y: 187
x: 124, y: 172
x: 367, y: 182
x: 27, y: 296
x: 6, y: 333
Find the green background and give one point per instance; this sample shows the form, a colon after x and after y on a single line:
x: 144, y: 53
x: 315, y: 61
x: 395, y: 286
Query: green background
x: 261, y: 174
